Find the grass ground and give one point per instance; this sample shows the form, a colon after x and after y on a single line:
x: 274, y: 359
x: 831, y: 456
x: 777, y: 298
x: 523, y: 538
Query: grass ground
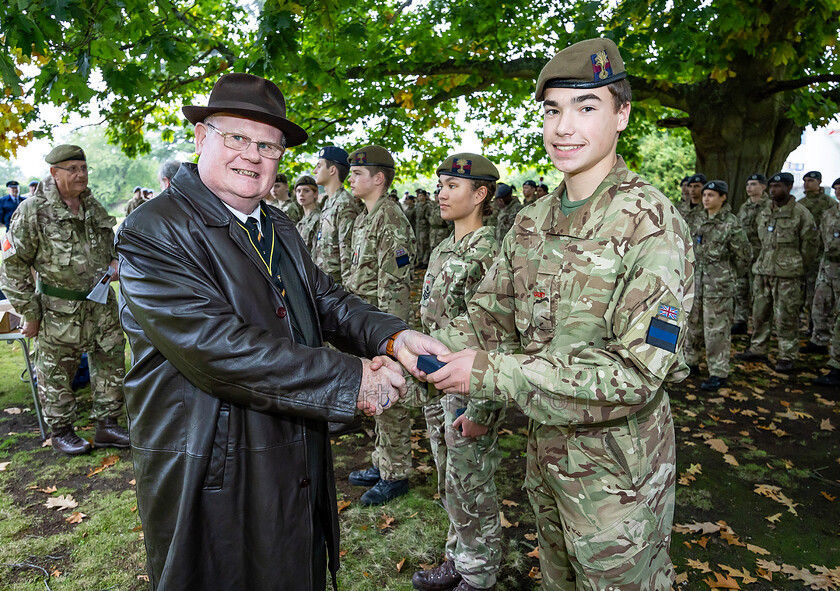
x: 758, y: 503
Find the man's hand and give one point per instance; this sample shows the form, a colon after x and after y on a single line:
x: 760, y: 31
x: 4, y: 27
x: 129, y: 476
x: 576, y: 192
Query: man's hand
x: 454, y: 377
x: 469, y: 428
x: 115, y: 271
x: 382, y: 385
x: 30, y: 328
x: 410, y: 344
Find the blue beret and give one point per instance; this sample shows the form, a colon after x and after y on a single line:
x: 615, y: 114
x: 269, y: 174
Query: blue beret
x: 814, y: 174
x: 698, y: 178
x: 782, y: 177
x: 758, y: 177
x: 334, y: 154
x: 720, y: 186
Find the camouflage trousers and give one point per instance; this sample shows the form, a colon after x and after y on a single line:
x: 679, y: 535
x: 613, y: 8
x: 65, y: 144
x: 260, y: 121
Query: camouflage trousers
x: 779, y: 298
x: 709, y: 324
x: 423, y: 250
x: 466, y: 467
x: 392, y: 445
x: 603, y: 499
x: 809, y: 285
x: 826, y: 304
x: 68, y: 329
x: 743, y: 298
x: 834, y: 347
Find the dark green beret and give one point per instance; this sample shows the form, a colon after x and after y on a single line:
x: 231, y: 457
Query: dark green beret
x: 469, y: 166
x: 782, y: 177
x: 65, y: 152
x: 306, y: 181
x: 720, y: 186
x: 588, y: 64
x: 758, y: 177
x: 813, y: 174
x: 697, y: 178
x: 371, y: 156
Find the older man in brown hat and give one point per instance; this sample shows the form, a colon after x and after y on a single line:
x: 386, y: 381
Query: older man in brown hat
x: 66, y: 237
x: 231, y: 387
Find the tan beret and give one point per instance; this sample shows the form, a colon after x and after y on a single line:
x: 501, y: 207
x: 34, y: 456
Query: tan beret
x: 469, y: 166
x: 65, y: 152
x: 371, y: 156
x: 588, y: 64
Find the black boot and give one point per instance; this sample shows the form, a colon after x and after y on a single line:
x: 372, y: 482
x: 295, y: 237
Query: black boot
x: 384, y: 491
x: 739, y: 328
x: 713, y: 383
x: 812, y: 347
x: 439, y: 578
x: 110, y: 434
x: 65, y: 440
x: 367, y: 477
x: 749, y: 355
x: 832, y: 378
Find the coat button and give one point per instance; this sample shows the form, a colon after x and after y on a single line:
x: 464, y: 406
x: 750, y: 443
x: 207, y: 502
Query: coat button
x: 305, y: 482
x: 281, y: 312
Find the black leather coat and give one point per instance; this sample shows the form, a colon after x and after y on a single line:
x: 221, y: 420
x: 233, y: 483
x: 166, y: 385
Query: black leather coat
x: 226, y: 411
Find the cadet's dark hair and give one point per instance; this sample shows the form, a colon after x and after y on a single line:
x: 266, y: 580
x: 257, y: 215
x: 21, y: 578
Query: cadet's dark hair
x: 487, y: 204
x: 387, y: 172
x: 168, y: 169
x: 621, y: 93
x: 343, y: 169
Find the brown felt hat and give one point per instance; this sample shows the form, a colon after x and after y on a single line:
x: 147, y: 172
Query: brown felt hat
x: 469, y: 166
x: 588, y: 64
x: 371, y: 156
x: 251, y: 97
x: 65, y: 152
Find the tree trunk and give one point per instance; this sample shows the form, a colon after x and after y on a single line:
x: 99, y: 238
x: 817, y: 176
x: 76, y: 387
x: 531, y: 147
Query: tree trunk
x: 736, y: 135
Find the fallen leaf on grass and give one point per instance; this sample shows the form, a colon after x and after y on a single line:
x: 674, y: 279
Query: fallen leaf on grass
x: 535, y: 573
x: 137, y: 528
x: 505, y: 432
x: 535, y: 553
x: 695, y: 469
x: 703, y: 567
x: 702, y: 542
x: 757, y: 550
x: 75, y: 517
x: 55, y: 574
x: 505, y: 523
x: 731, y: 538
x: 144, y: 578
x: 828, y: 496
x: 682, y: 578
x: 342, y: 553
x: 424, y: 566
x: 721, y: 582
x: 717, y: 444
x: 107, y: 461
x: 775, y: 493
x: 707, y: 527
x: 46, y: 442
x: 386, y: 522
x: 400, y: 565
x: 818, y: 581
x: 49, y: 489
x: 425, y: 469
x: 62, y: 503
x: 13, y: 410
x: 773, y: 518
x: 730, y: 459
x: 3, y: 466
x: 342, y: 505
x: 825, y: 425
x: 743, y: 574
x: 768, y: 565
x: 508, y: 503
x: 530, y: 537
x: 132, y: 482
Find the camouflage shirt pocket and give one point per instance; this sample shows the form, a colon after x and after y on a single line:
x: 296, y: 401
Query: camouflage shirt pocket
x: 544, y: 297
x: 59, y: 237
x: 61, y: 324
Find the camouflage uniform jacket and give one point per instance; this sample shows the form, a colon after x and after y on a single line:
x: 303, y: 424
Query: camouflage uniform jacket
x: 684, y: 206
x: 134, y: 203
x: 562, y: 317
x: 830, y: 232
x: 454, y: 272
x: 291, y: 208
x: 747, y: 216
x: 335, y: 236
x: 789, y: 240
x: 308, y: 226
x: 411, y: 215
x: 433, y: 216
x: 67, y: 251
x: 722, y: 251
x: 817, y: 204
x: 504, y: 221
x: 384, y: 251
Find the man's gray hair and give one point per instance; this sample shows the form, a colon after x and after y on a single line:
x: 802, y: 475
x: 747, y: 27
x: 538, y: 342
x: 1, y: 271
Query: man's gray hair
x: 168, y: 169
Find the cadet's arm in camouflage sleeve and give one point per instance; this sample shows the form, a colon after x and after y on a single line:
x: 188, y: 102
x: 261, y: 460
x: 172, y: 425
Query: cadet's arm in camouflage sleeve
x: 393, y: 289
x: 344, y: 226
x: 809, y: 238
x: 741, y: 250
x: 597, y: 384
x: 480, y: 412
x: 16, y: 274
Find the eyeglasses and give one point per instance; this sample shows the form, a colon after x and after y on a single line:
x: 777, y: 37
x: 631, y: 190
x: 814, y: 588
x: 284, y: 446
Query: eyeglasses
x: 75, y: 169
x: 240, y: 143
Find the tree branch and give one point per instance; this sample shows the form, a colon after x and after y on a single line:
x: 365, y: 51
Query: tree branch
x: 785, y: 85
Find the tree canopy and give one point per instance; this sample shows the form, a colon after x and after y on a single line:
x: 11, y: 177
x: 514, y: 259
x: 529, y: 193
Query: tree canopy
x: 744, y: 76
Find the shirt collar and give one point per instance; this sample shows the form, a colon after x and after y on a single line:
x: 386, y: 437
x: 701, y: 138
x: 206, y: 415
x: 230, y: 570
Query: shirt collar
x: 243, y: 217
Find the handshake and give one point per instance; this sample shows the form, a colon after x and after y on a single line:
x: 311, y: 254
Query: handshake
x: 382, y: 378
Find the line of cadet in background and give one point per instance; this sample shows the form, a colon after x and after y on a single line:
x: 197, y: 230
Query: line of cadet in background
x: 776, y: 262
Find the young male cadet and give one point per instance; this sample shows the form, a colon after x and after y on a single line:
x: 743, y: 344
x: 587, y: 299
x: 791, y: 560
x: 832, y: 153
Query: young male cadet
x: 580, y: 323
